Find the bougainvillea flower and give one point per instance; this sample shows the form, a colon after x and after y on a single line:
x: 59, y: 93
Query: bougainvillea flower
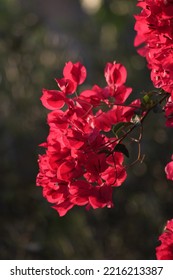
x: 101, y: 197
x: 169, y: 170
x: 165, y: 250
x: 67, y: 86
x: 52, y: 99
x: 115, y: 74
x: 75, y: 72
x: 80, y: 165
x: 169, y: 113
x: 80, y: 192
x: 155, y: 40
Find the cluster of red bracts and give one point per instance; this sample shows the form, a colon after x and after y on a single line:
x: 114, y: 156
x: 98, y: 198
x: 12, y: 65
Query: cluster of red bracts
x: 80, y: 165
x: 155, y: 34
x: 154, y: 26
x: 165, y: 250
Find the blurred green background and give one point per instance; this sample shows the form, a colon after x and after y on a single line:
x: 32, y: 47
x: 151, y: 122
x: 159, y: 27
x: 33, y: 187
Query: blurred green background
x: 37, y: 37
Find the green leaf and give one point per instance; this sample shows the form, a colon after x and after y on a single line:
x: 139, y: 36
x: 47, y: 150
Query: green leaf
x: 122, y: 148
x: 148, y: 101
x: 146, y: 98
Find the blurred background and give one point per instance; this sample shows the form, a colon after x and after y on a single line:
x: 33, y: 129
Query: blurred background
x: 37, y: 37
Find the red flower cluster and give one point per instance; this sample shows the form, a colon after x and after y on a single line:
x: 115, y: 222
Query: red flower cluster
x: 81, y: 163
x: 169, y: 170
x: 154, y: 26
x: 169, y: 113
x: 165, y: 250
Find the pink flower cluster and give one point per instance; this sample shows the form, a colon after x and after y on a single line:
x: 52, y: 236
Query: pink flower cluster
x: 83, y: 160
x: 154, y: 30
x: 81, y: 164
x: 165, y: 250
x: 154, y: 26
x: 169, y: 170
